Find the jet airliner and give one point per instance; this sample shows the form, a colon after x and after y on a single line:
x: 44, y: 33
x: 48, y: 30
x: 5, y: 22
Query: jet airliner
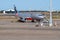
x: 29, y: 16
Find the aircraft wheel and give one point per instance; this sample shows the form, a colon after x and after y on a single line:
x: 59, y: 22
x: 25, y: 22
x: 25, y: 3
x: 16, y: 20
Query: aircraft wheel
x: 32, y: 21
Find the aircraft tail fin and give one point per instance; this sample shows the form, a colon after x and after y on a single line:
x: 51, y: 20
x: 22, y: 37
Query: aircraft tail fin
x: 15, y: 9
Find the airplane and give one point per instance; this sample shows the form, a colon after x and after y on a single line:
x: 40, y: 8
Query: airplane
x: 29, y: 16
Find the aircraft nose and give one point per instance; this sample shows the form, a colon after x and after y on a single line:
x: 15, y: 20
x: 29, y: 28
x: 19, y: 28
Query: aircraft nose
x: 40, y: 16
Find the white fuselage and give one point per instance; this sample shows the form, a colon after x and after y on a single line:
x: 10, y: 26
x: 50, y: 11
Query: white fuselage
x: 23, y: 16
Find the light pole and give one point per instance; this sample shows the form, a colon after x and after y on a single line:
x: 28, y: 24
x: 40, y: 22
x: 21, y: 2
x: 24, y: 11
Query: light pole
x: 50, y: 22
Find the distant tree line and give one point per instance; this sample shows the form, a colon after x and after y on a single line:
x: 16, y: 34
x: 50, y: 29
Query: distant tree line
x: 27, y: 11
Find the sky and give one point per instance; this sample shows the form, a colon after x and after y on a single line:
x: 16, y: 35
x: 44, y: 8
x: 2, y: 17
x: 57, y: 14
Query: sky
x: 29, y: 4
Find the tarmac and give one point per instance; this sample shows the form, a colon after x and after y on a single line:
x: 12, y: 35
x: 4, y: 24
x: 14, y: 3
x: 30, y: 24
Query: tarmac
x: 12, y: 30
